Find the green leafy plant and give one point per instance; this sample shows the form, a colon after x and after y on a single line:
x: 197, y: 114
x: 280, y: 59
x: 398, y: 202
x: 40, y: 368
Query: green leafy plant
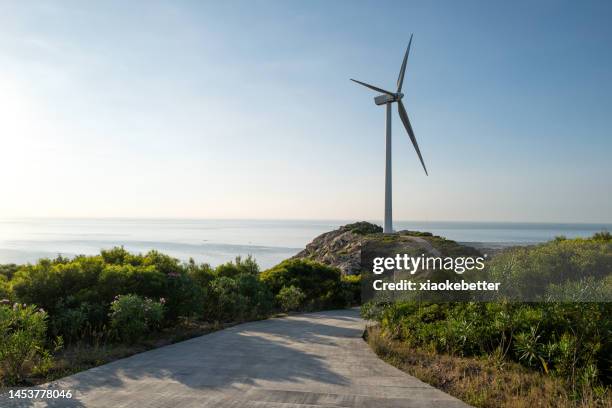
x: 321, y: 284
x: 132, y: 316
x: 351, y: 289
x: 290, y: 298
x: 237, y: 267
x: 242, y: 297
x: 22, y: 342
x: 363, y: 228
x: 529, y: 347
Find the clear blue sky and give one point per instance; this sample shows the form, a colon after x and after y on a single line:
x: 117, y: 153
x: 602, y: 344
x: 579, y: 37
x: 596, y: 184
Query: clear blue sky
x: 245, y: 110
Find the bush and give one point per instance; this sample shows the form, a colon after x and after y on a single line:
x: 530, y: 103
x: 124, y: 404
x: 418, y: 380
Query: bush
x: 5, y: 288
x: 290, y: 298
x: 602, y: 236
x: 132, y: 316
x: 22, y: 342
x: 362, y: 228
x: 259, y: 299
x: 73, y: 321
x: 319, y: 283
x: 351, y: 289
x: 143, y: 280
x: 567, y: 340
x: 183, y: 297
x: 528, y: 272
x: 67, y: 288
x: 239, y: 266
x: 69, y: 323
x: 201, y: 274
x: 8, y: 270
x: 243, y: 297
x: 224, y: 301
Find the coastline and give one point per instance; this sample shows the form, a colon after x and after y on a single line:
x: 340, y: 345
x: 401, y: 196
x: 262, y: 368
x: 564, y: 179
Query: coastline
x: 218, y: 241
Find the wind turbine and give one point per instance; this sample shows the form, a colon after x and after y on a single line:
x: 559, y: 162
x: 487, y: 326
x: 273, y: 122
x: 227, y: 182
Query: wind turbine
x: 387, y: 98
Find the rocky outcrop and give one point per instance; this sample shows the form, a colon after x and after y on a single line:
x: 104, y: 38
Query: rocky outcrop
x: 342, y: 247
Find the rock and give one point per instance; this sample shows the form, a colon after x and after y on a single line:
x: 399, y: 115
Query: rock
x: 342, y: 247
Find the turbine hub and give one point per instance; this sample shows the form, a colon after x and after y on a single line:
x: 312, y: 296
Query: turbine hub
x: 384, y: 99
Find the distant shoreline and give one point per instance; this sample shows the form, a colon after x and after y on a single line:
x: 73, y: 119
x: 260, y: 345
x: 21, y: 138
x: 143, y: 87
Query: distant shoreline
x: 218, y: 241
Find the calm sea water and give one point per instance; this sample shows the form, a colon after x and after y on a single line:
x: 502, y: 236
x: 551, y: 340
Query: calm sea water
x: 217, y: 241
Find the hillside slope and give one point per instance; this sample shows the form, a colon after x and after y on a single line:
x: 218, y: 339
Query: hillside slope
x: 342, y: 247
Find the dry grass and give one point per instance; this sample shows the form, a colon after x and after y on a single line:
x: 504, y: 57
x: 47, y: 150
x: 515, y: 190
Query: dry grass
x: 482, y: 382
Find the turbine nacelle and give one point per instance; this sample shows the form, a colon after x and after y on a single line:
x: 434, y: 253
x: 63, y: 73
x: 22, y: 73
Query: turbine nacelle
x: 386, y: 98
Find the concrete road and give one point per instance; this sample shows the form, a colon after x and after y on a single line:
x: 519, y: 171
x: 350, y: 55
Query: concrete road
x: 309, y: 360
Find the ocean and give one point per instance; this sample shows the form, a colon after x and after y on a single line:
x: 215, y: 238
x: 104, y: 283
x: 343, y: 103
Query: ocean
x: 218, y: 241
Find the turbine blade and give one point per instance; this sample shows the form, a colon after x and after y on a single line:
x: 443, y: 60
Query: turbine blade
x: 373, y: 87
x: 400, y: 78
x: 406, y: 122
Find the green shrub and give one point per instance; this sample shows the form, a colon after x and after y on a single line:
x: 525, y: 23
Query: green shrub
x: 259, y: 299
x: 201, y: 274
x: 224, y: 301
x: 351, y: 289
x: 373, y: 310
x: 51, y: 281
x: 22, y: 342
x: 319, y: 283
x: 5, y: 288
x: 62, y: 286
x: 240, y: 298
x: 132, y: 316
x: 290, y: 298
x: 239, y: 266
x: 69, y: 323
x: 8, y: 270
x: 568, y: 340
x: 528, y: 272
x: 146, y: 281
x: 120, y: 256
x: 362, y: 228
x: 602, y: 236
x: 76, y: 321
x: 183, y: 297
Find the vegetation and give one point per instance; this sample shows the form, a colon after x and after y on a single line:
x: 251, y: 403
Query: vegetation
x: 241, y: 298
x: 122, y: 301
x: 485, y: 381
x: 548, y: 270
x: 363, y: 228
x: 567, y: 342
x: 351, y: 289
x: 489, y: 354
x: 131, y: 316
x: 320, y: 284
x: 550, y: 353
x: 290, y: 298
x: 22, y: 341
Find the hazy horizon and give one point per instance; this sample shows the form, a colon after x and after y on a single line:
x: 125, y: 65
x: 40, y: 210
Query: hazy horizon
x: 345, y: 220
x: 218, y: 241
x: 208, y: 110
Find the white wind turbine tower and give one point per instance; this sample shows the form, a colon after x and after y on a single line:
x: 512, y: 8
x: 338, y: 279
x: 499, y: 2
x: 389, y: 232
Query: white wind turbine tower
x: 387, y: 98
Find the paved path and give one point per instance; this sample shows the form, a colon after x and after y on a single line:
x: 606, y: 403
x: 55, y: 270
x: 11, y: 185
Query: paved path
x: 309, y: 360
